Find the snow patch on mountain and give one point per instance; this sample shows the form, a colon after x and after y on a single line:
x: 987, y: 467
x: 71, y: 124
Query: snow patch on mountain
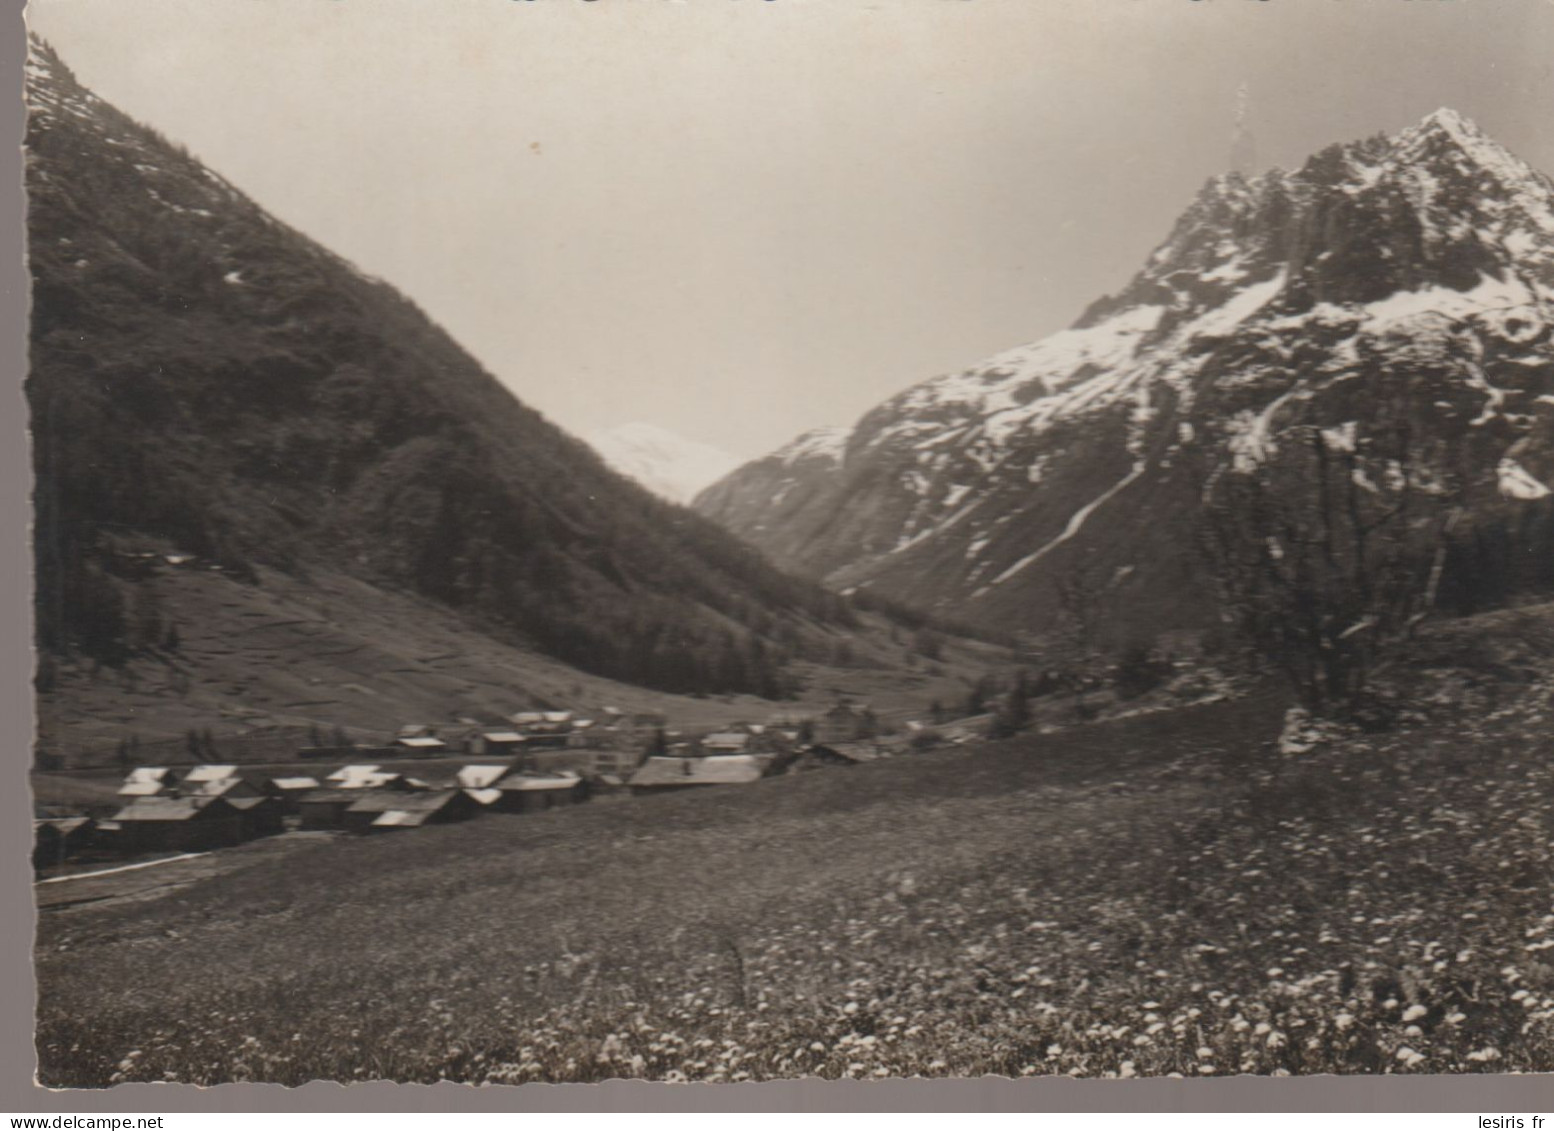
x: 664, y: 462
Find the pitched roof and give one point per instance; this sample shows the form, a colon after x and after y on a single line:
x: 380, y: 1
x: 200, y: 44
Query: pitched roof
x: 376, y: 802
x: 530, y: 781
x: 852, y: 751
x: 481, y: 777
x: 210, y: 773
x: 140, y: 789
x: 330, y: 794
x: 294, y: 783
x: 361, y: 777
x: 730, y: 769
x: 212, y: 787
x: 147, y: 773
x: 166, y: 808
x: 485, y: 796
x: 64, y: 826
x: 734, y: 740
x: 422, y: 743
x: 246, y: 803
x: 502, y: 736
x: 401, y: 818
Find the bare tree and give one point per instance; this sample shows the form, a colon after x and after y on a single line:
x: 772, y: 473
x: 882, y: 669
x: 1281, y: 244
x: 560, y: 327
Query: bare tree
x: 1076, y: 643
x: 1326, y: 550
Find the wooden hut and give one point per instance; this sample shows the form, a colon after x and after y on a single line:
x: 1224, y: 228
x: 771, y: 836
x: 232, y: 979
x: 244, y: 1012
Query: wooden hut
x: 177, y: 824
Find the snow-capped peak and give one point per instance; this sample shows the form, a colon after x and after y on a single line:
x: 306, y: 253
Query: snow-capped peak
x: 664, y: 462
x: 825, y: 443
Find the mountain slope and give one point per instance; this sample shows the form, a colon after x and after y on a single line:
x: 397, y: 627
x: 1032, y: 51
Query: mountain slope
x: 209, y: 384
x: 1407, y: 278
x: 667, y: 464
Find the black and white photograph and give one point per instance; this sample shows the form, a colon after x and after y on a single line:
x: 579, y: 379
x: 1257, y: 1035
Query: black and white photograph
x: 720, y: 541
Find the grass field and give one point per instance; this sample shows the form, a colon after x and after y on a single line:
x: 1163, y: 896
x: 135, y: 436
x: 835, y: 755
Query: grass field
x: 1157, y: 895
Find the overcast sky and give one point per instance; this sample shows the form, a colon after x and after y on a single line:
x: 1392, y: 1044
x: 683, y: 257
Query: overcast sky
x: 740, y: 219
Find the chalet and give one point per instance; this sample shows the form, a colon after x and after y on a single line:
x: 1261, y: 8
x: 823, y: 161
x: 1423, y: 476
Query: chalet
x: 727, y: 742
x: 543, y: 729
x: 616, y: 762
x: 57, y: 840
x: 529, y: 791
x: 147, y: 781
x: 500, y: 743
x: 364, y: 777
x: 177, y: 824
x: 817, y: 757
x: 419, y: 742
x: 845, y: 723
x: 216, y: 787
x: 288, y: 790
x: 481, y: 777
x: 378, y: 810
x: 209, y: 773
x: 324, y: 808
x: 662, y: 774
x: 260, y: 815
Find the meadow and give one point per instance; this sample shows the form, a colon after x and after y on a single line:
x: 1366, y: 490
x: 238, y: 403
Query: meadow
x: 1167, y: 894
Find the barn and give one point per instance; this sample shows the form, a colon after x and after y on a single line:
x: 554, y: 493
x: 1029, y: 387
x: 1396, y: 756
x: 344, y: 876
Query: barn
x: 377, y: 810
x: 177, y: 824
x: 663, y: 774
x: 56, y: 840
x: 530, y: 792
x: 324, y: 808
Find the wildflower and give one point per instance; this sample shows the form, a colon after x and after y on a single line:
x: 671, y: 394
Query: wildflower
x: 1409, y: 1057
x: 1414, y: 1012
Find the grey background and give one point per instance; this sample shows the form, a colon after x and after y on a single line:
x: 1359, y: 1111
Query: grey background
x: 17, y: 1093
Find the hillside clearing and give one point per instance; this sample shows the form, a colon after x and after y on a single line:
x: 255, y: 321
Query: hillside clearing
x: 1148, y: 896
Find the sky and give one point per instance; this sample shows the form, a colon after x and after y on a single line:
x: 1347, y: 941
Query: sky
x: 740, y: 219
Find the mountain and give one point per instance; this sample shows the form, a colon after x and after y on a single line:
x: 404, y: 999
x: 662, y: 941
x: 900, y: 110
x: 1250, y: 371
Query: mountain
x: 667, y: 464
x: 1404, y: 280
x: 213, y: 394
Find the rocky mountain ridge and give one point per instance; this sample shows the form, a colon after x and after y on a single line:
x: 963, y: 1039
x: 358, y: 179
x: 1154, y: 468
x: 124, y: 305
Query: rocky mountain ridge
x: 1407, y: 277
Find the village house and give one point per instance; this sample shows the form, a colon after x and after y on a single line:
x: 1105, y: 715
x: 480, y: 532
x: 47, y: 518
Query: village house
x: 816, y: 757
x: 57, y: 840
x: 229, y: 788
x: 664, y: 774
x: 727, y: 742
x: 260, y: 815
x: 497, y: 743
x: 543, y: 729
x: 324, y: 808
x: 146, y: 781
x: 845, y: 723
x: 365, y: 777
x: 419, y: 741
x: 376, y: 811
x: 529, y: 791
x: 288, y: 790
x: 177, y: 824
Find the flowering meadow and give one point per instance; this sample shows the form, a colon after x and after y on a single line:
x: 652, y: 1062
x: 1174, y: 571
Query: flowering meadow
x: 1167, y: 894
